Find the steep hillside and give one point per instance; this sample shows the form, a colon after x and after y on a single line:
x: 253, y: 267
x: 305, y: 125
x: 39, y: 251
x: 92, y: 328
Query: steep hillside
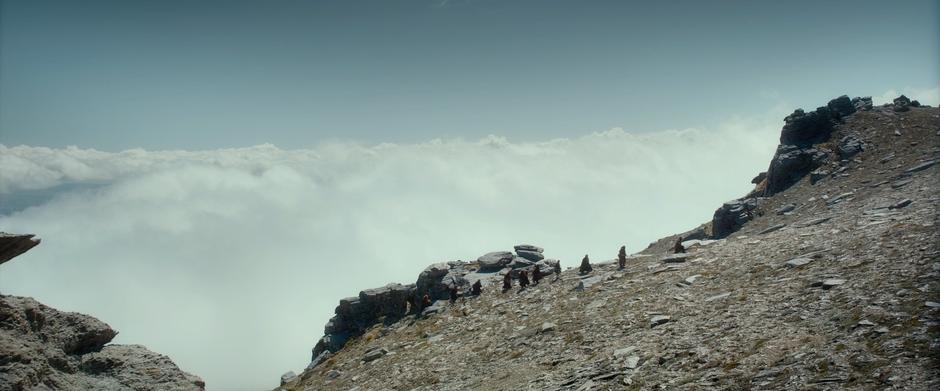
x: 42, y: 348
x: 823, y: 277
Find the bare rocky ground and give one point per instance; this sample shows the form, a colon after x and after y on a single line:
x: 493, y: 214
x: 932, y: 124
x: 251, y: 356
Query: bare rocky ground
x: 831, y: 285
x: 42, y: 348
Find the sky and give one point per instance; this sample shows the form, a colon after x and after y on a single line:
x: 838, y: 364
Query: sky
x: 115, y: 75
x: 210, y: 178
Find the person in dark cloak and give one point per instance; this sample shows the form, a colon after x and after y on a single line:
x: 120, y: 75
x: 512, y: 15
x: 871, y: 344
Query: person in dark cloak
x: 585, y: 265
x: 678, y: 248
x: 622, y: 257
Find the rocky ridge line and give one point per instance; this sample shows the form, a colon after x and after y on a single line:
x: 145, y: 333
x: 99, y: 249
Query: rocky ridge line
x: 826, y: 282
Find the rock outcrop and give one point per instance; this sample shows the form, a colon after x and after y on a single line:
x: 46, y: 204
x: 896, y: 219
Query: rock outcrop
x: 388, y: 304
x: 12, y: 245
x: 805, y: 147
x: 42, y: 348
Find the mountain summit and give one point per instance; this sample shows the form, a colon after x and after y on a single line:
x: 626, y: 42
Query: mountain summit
x: 822, y: 277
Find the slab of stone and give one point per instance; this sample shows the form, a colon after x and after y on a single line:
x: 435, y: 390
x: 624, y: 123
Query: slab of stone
x: 921, y: 166
x: 816, y: 221
x: 374, y: 354
x: 772, y: 229
x: 586, y: 283
x: 658, y: 320
x: 901, y: 204
x: 797, y: 262
x: 668, y: 268
x: 839, y: 198
x: 718, y: 297
x: 901, y: 183
x: 675, y: 258
x: 288, y: 377
x: 786, y: 208
x: 12, y: 245
x: 632, y: 362
x: 832, y: 283
x: 624, y: 351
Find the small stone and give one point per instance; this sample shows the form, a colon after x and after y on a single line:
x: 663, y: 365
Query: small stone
x: 374, y: 354
x: 816, y: 221
x: 866, y: 323
x: 921, y: 167
x: 901, y: 204
x: 797, y: 262
x: 675, y: 258
x: 586, y: 283
x: 659, y: 320
x: 932, y: 304
x: 624, y: 351
x: 772, y: 229
x: 288, y: 377
x: 547, y: 326
x: 832, y: 283
x: 901, y: 183
x: 839, y: 198
x: 333, y: 374
x: 786, y: 208
x: 632, y: 362
x: 718, y: 297
x: 881, y: 330
x: 691, y: 279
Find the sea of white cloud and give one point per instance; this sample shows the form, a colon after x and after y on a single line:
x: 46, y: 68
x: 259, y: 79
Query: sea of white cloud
x: 230, y: 261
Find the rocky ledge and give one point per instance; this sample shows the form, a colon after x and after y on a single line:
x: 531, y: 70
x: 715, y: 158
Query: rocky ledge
x: 392, y: 302
x: 12, y: 245
x: 42, y: 348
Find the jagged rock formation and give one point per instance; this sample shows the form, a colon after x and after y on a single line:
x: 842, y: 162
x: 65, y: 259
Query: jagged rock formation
x: 825, y: 285
x: 388, y: 304
x: 806, y: 148
x: 45, y: 349
x: 12, y: 245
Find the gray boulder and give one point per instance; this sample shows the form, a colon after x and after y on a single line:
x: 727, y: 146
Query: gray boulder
x: 546, y: 266
x: 841, y: 107
x: 528, y: 247
x: 850, y: 146
x: 862, y: 104
x: 759, y: 178
x: 732, y: 215
x: 374, y: 354
x: 790, y: 164
x: 495, y: 260
x: 804, y: 129
x: 288, y: 377
x: 902, y: 103
x: 519, y: 262
x: 530, y: 255
x: 354, y: 315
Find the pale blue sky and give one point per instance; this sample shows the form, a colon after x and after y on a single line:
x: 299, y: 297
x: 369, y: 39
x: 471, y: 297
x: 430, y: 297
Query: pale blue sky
x: 195, y: 75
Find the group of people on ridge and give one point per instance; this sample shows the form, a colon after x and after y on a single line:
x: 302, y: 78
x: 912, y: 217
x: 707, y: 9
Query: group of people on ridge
x: 476, y: 288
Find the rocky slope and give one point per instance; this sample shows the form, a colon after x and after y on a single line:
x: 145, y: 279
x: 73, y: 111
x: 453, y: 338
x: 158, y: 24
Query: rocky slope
x: 823, y: 277
x: 45, y: 349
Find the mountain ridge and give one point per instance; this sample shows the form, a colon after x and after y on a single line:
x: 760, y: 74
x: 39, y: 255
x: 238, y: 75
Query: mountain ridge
x: 845, y: 145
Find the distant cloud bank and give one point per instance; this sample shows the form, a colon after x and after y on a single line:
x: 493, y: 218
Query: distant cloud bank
x: 207, y: 255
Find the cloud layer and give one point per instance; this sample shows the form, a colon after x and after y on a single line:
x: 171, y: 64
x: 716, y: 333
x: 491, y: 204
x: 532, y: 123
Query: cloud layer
x: 230, y: 261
